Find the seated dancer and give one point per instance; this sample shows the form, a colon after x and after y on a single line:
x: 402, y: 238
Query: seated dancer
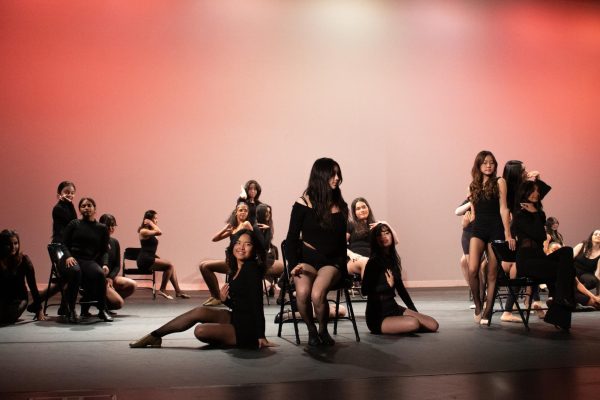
x: 148, y: 260
x: 357, y: 235
x: 85, y: 245
x: 552, y: 233
x: 118, y: 287
x: 16, y: 269
x: 264, y: 221
x: 528, y: 225
x: 587, y: 260
x: 237, y: 221
x: 381, y: 279
x: 244, y: 325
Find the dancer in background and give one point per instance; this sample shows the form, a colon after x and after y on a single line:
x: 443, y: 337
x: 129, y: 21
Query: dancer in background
x: 250, y: 193
x: 587, y: 260
x: 148, y: 260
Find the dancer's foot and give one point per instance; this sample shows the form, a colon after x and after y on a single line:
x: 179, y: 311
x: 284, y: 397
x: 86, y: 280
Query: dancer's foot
x: 105, y: 316
x: 537, y: 307
x: 313, y: 338
x: 326, y: 339
x: 146, y: 341
x: 165, y: 295
x: 509, y: 317
x: 183, y: 295
x: 212, y: 302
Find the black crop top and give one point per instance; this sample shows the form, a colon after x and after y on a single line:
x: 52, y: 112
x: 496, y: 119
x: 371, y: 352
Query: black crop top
x: 304, y: 227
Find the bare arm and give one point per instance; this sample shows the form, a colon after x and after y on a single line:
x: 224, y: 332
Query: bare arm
x: 150, y: 229
x: 577, y: 249
x: 223, y: 233
x: 461, y: 210
x: 505, y: 214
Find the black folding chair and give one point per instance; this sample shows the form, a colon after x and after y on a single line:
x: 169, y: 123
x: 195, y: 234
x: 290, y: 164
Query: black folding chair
x: 55, y: 253
x: 288, y: 288
x: 131, y: 254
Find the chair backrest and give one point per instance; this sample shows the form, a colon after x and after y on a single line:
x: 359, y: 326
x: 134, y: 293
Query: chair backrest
x: 131, y: 253
x: 503, y: 252
x: 55, y: 252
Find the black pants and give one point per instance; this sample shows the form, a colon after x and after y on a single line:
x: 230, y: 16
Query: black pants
x: 556, y: 267
x: 71, y: 277
x: 93, y: 282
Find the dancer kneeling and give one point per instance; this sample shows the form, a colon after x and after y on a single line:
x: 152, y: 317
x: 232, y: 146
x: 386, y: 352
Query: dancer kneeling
x: 382, y: 276
x: 244, y: 325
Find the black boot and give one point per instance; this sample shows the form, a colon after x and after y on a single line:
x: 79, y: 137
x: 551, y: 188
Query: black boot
x: 85, y: 311
x: 72, y: 317
x: 104, y: 315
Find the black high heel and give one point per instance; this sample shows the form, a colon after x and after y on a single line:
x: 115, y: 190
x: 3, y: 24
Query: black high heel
x: 326, y: 339
x: 313, y: 339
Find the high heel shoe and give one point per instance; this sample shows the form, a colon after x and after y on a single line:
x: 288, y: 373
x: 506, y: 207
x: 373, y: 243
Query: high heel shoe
x: 212, y: 302
x: 146, y: 341
x: 183, y: 295
x: 165, y: 295
x: 313, y: 339
x: 105, y: 316
x: 72, y: 317
x: 326, y: 339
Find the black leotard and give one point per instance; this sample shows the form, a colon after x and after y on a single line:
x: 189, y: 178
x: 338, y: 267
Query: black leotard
x: 148, y: 252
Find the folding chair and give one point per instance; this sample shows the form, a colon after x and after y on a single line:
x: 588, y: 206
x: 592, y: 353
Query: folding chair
x: 131, y: 254
x: 287, y: 287
x: 504, y: 253
x: 55, y: 253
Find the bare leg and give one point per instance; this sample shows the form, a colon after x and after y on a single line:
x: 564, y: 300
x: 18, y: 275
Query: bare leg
x: 208, y: 269
x: 114, y: 301
x: 476, y: 247
x: 124, y: 286
x: 358, y: 266
x: 426, y: 323
x: 275, y: 270
x: 223, y: 334
x: 464, y: 267
x: 169, y: 274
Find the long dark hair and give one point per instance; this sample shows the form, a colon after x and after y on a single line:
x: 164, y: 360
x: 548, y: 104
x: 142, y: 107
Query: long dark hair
x: 108, y: 220
x: 513, y: 175
x: 232, y: 220
x: 478, y: 189
x: 525, y: 191
x: 320, y: 193
x: 586, y: 249
x: 258, y: 252
x: 379, y: 252
x: 555, y: 235
x: 258, y: 190
x: 5, y: 243
x: 150, y: 214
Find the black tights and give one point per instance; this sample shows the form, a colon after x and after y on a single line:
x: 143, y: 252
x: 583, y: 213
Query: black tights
x: 557, y: 266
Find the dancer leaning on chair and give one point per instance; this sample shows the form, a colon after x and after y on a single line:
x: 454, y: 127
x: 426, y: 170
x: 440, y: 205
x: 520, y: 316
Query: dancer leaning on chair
x: 487, y: 194
x: 316, y: 246
x: 382, y: 277
x: 148, y: 260
x: 244, y: 325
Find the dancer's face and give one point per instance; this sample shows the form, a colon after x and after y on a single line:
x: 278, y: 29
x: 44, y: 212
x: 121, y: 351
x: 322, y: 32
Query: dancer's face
x: 334, y: 181
x: 384, y: 239
x: 361, y: 211
x: 596, y: 237
x: 488, y: 166
x: 242, y: 213
x: 242, y: 249
x: 67, y: 193
x: 534, y: 197
x: 555, y: 226
x: 252, y: 191
x: 87, y: 209
x: 13, y: 246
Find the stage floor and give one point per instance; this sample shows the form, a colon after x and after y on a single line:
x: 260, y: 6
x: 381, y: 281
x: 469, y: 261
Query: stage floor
x: 49, y: 359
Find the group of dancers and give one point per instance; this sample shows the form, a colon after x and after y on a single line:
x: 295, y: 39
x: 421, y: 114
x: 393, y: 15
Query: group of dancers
x: 325, y: 243
x: 509, y: 208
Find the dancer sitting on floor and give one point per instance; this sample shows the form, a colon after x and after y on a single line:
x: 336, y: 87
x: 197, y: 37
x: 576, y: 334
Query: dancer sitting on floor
x: 244, y: 325
x: 15, y: 270
x: 237, y: 221
x: 382, y: 278
x: 118, y: 287
x: 148, y: 260
x: 587, y: 260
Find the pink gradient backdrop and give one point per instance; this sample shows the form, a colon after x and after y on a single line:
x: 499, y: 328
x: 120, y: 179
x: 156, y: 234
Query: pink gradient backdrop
x: 173, y: 105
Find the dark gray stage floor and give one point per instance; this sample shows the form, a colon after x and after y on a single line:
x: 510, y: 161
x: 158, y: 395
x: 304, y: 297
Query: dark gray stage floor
x: 463, y: 360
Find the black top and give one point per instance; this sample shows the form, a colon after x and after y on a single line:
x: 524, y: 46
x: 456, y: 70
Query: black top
x: 147, y: 254
x: 375, y: 285
x: 12, y: 281
x: 86, y: 240
x: 62, y: 213
x: 245, y: 301
x: 359, y: 238
x: 529, y: 228
x: 114, y: 258
x: 543, y: 189
x: 586, y: 265
x: 304, y: 227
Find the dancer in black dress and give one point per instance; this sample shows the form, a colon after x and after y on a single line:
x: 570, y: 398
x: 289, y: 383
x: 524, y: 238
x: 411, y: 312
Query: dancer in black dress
x: 357, y: 235
x: 487, y: 194
x: 244, y: 325
x: 382, y: 277
x: 587, y: 260
x: 250, y: 193
x: 148, y: 260
x: 86, y: 252
x: 16, y: 269
x: 316, y: 242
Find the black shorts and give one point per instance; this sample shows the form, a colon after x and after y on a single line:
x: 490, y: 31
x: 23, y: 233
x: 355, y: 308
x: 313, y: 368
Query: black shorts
x: 317, y: 260
x: 378, y: 310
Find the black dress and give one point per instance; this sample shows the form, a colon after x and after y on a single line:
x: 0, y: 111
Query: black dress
x: 380, y: 296
x: 488, y: 222
x: 329, y: 243
x: 246, y: 303
x: 147, y: 254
